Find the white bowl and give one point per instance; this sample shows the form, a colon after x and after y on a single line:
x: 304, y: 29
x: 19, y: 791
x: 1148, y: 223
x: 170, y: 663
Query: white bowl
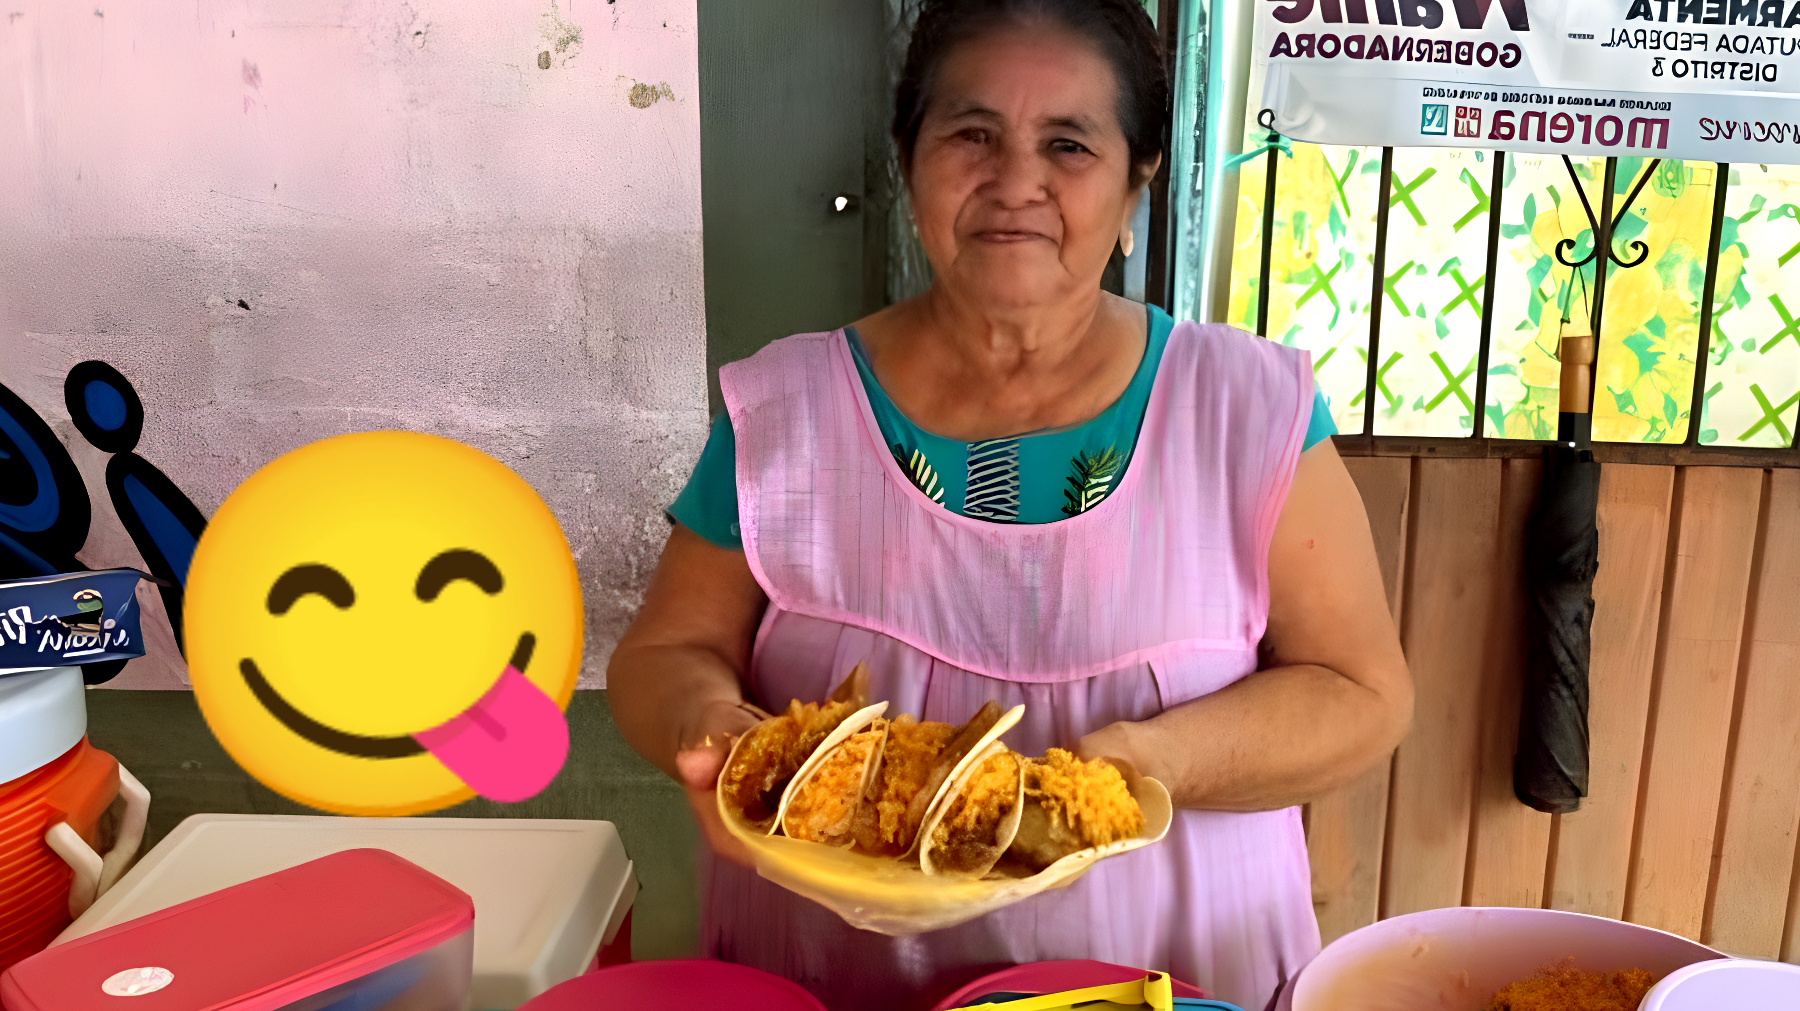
x: 1455, y: 959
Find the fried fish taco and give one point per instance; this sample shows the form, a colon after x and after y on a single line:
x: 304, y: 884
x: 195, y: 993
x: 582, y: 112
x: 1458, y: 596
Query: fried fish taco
x: 1071, y: 805
x: 972, y: 825
x: 765, y: 760
x: 916, y: 762
x: 822, y: 803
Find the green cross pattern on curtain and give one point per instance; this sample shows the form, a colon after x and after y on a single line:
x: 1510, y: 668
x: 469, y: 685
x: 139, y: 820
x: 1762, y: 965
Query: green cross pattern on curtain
x: 1482, y: 204
x: 1403, y: 192
x: 1453, y: 383
x: 1771, y: 415
x: 1470, y: 291
x: 1443, y: 204
x: 1789, y: 326
x: 1321, y: 282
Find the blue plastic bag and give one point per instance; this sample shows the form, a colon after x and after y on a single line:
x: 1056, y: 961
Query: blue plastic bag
x: 70, y: 619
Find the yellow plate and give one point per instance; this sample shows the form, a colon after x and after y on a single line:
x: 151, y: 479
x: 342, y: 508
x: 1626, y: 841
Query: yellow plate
x: 890, y: 896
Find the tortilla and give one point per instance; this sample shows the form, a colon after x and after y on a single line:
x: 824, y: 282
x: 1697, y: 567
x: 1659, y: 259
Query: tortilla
x: 823, y: 801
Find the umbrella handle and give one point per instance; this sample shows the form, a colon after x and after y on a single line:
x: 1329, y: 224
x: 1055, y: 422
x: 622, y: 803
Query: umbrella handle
x: 1577, y: 357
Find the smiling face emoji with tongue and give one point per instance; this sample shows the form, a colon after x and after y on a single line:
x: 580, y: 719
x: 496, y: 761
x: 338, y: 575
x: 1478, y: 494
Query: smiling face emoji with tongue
x: 386, y: 623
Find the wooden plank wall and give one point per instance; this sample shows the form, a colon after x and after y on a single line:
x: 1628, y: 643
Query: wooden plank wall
x: 1694, y: 796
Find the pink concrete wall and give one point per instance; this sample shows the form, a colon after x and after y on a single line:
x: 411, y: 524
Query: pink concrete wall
x: 430, y: 232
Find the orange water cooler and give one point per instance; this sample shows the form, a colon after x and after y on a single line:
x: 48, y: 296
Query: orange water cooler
x: 63, y: 803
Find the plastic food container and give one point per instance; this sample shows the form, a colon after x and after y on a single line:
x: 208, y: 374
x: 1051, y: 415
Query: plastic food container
x: 1726, y: 983
x: 677, y: 983
x: 361, y: 929
x: 1456, y: 959
x: 51, y: 832
x: 547, y: 893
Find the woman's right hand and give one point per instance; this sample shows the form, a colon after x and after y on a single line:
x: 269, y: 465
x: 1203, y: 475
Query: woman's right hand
x: 675, y: 680
x: 705, y: 743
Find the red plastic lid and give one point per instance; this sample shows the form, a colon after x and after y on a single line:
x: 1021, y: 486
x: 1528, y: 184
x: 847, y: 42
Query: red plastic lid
x: 673, y: 983
x: 1055, y: 977
x: 256, y: 946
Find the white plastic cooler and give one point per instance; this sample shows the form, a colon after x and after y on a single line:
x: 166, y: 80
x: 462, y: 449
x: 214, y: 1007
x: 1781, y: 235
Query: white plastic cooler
x: 359, y: 929
x: 548, y: 893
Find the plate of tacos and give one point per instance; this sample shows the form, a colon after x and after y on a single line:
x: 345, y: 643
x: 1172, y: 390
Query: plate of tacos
x: 902, y: 826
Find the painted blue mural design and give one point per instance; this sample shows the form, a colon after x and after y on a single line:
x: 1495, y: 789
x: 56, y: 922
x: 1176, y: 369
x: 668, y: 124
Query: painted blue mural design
x: 44, y: 507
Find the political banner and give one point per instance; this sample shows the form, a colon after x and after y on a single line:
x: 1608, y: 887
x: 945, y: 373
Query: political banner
x: 69, y: 619
x: 1713, y: 80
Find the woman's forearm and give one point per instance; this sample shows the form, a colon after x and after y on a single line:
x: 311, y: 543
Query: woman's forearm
x: 1279, y: 737
x: 675, y: 679
x: 1335, y: 696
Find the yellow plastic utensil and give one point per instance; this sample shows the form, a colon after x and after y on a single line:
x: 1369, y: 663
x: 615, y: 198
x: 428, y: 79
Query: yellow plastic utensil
x: 1153, y: 990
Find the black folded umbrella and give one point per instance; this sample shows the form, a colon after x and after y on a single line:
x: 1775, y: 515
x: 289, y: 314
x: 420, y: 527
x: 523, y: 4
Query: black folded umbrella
x: 1562, y: 549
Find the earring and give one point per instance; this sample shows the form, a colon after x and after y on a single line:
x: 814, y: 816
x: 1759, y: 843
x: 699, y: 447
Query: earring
x: 1127, y: 240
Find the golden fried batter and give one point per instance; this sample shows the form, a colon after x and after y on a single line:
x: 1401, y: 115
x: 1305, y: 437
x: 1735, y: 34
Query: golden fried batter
x: 822, y: 807
x: 1090, y: 798
x: 772, y: 752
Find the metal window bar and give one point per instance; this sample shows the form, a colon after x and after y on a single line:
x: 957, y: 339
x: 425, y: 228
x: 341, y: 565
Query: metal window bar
x: 1479, y: 421
x: 1372, y: 383
x: 1697, y: 405
x: 1479, y: 444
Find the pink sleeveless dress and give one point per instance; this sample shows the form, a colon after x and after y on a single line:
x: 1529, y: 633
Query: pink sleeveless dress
x: 1155, y: 596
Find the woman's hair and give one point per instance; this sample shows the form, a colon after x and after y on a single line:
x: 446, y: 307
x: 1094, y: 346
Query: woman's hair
x: 1119, y: 29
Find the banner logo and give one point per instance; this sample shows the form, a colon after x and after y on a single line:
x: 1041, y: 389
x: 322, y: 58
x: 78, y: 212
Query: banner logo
x: 1597, y: 77
x: 1470, y: 14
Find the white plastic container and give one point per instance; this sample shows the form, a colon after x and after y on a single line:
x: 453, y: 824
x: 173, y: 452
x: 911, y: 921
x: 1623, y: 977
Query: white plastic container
x: 548, y: 893
x: 1727, y: 984
x: 42, y: 715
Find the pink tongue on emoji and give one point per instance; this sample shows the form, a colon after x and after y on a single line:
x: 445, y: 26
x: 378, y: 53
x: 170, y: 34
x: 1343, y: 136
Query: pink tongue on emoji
x: 507, y: 746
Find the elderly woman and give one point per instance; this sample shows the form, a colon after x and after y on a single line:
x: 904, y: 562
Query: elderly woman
x: 1021, y: 488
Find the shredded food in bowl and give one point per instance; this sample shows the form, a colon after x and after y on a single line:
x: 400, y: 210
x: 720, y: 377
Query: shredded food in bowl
x: 1562, y: 987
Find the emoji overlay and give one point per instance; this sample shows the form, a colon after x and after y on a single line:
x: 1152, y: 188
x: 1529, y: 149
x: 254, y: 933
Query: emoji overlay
x: 386, y: 623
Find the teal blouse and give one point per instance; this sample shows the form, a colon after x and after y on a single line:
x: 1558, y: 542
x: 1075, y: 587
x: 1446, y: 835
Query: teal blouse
x: 1040, y: 477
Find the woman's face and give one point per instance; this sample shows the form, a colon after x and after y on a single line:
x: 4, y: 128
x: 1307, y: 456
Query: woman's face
x: 1020, y: 177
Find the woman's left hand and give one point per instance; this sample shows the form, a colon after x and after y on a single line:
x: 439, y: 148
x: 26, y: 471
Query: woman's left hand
x: 1116, y: 740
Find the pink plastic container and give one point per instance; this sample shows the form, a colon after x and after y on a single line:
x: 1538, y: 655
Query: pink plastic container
x: 360, y: 926
x: 676, y: 983
x: 1455, y: 959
